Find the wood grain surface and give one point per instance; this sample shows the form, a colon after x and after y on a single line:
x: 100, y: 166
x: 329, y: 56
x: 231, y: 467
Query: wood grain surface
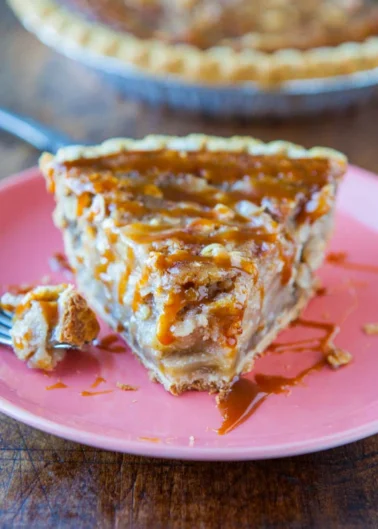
x: 48, y: 482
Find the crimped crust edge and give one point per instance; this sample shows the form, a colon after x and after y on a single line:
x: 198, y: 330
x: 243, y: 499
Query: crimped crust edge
x: 195, y: 142
x: 218, y: 65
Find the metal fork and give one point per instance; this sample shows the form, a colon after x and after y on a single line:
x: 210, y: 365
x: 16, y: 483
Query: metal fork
x: 6, y: 326
x: 40, y: 136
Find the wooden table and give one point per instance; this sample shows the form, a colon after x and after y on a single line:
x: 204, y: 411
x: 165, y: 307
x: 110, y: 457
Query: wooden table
x: 49, y: 482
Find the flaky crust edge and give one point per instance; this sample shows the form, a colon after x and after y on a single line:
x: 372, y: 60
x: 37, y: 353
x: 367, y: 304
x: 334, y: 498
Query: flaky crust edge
x: 192, y: 143
x: 218, y: 65
x: 78, y: 323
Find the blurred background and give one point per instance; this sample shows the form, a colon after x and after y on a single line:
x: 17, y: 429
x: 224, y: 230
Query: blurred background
x: 89, y: 106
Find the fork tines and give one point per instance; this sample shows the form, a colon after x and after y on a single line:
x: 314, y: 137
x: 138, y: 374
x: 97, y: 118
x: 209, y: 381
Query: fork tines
x: 5, y: 326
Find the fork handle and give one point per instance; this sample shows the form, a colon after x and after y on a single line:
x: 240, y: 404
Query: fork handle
x: 39, y: 136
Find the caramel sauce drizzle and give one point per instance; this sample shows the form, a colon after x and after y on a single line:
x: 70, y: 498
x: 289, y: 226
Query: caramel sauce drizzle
x: 172, y: 307
x: 24, y: 340
x: 340, y: 259
x: 150, y: 439
x: 101, y: 269
x: 122, y: 287
x: 50, y: 312
x: 94, y: 393
x: 321, y: 344
x: 58, y: 385
x: 131, y: 177
x: 216, y: 167
x: 59, y: 263
x: 48, y: 304
x: 109, y: 343
x: 97, y: 382
x: 246, y: 396
x: 126, y: 387
x: 84, y: 201
x: 165, y: 262
x: 189, y: 296
x: 138, y: 298
x: 144, y: 233
x: 288, y: 260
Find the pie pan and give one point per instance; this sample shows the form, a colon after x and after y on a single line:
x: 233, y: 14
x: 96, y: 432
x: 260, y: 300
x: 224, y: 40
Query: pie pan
x: 293, y: 98
x: 299, y: 97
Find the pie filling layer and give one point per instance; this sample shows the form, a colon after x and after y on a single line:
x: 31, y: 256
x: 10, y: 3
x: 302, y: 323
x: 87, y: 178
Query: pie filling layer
x: 197, y: 258
x: 268, y: 25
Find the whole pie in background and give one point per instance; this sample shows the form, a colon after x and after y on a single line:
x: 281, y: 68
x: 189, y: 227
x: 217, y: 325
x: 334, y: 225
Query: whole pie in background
x: 216, y: 41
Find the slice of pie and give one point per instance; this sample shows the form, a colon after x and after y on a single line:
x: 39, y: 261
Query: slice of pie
x: 199, y: 250
x: 46, y: 316
x: 215, y: 41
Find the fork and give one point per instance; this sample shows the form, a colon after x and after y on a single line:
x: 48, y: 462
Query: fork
x: 40, y: 136
x: 6, y: 326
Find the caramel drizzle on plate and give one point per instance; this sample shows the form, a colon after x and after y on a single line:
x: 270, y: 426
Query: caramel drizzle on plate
x: 321, y: 344
x: 246, y: 396
x: 109, y: 343
x: 95, y: 393
x: 99, y: 380
x: 341, y: 259
x: 58, y: 385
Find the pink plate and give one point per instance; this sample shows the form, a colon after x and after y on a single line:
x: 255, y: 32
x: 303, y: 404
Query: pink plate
x: 328, y: 409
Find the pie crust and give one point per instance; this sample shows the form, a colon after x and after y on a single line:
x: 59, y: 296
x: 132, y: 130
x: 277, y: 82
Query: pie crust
x: 199, y: 250
x: 66, y: 30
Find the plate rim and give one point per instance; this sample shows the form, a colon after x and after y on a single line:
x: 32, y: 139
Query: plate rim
x: 189, y: 453
x: 168, y: 451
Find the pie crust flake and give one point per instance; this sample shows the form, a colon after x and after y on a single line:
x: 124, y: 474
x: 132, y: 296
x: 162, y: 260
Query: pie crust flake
x: 212, y: 42
x: 199, y: 250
